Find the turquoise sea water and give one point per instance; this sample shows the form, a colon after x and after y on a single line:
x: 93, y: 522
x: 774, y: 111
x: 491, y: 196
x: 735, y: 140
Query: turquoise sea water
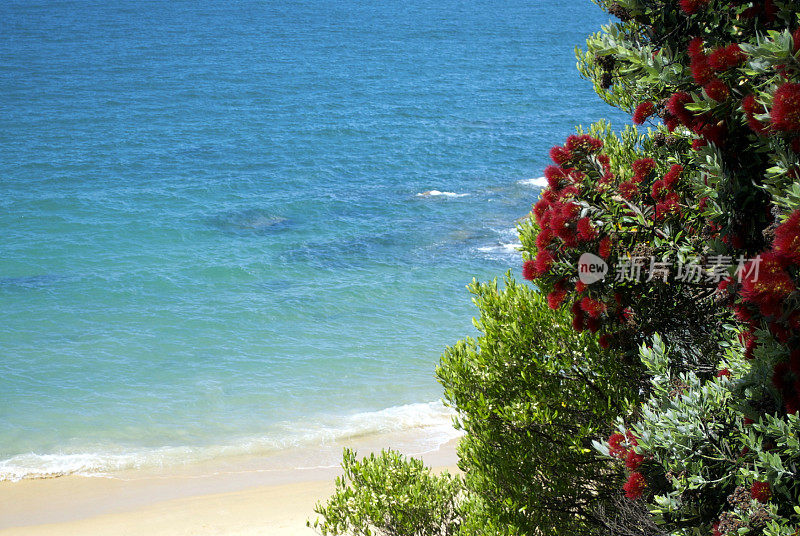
x: 211, y: 234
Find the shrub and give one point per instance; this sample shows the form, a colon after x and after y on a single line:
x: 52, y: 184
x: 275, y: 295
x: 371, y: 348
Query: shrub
x: 531, y: 393
x: 702, y: 463
x: 392, y: 495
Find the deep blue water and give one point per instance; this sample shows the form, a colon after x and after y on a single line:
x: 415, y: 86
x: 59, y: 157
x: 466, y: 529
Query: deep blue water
x: 210, y: 228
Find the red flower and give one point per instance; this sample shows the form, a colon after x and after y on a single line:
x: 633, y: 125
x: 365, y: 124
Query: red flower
x: 717, y: 90
x: 529, y: 271
x: 594, y: 308
x: 750, y: 343
x: 794, y: 362
x: 710, y: 129
x: 752, y: 107
x: 544, y: 260
x: 605, y: 340
x: 580, y: 287
x: 724, y: 373
x: 787, y: 238
x: 658, y: 190
x: 701, y: 70
x: 643, y: 167
x: 560, y: 155
x: 604, y: 249
x: 577, y: 317
x: 695, y: 48
x: 635, y: 485
x: 733, y: 240
x: 693, y: 6
x: 633, y: 460
x: 785, y: 111
x: 544, y: 238
x: 643, y: 111
x: 555, y: 298
x: 586, y: 231
x: 554, y: 176
x: 760, y: 491
x: 796, y: 39
x: 676, y: 105
x: 629, y: 190
x: 742, y: 313
x: 626, y: 314
x: 592, y: 324
x: 615, y: 446
x: 668, y: 207
x: 769, y: 285
x: 726, y: 58
x: 672, y: 176
x: 779, y: 376
x: 583, y: 143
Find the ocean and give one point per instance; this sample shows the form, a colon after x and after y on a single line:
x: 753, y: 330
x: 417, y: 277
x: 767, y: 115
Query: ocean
x: 239, y: 227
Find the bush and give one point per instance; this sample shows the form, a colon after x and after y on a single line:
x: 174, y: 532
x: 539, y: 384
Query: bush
x: 531, y: 394
x: 392, y: 495
x: 700, y: 460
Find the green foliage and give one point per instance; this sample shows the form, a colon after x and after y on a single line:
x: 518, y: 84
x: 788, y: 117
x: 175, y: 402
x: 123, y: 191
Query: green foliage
x: 702, y: 454
x: 531, y: 393
x: 390, y: 495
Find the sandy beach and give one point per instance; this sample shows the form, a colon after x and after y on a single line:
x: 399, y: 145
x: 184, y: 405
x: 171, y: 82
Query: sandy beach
x: 246, y: 497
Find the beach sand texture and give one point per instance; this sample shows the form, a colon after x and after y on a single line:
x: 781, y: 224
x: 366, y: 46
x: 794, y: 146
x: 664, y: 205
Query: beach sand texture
x: 231, y: 502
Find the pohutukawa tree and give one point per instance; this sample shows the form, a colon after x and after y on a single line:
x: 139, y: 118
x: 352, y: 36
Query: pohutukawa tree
x: 699, y: 219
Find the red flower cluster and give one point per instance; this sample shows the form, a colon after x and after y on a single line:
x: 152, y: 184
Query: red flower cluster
x: 663, y: 193
x: 616, y: 447
x: 787, y: 238
x: 642, y: 168
x: 724, y: 373
x: 604, y: 248
x: 556, y: 212
x: 768, y: 293
x: 785, y: 113
x: 583, y: 144
x: 604, y: 341
x: 593, y: 308
x: 786, y: 379
x: 693, y: 6
x: 761, y: 491
x: 621, y: 445
x: 702, y: 71
x: 717, y: 90
x: 643, y: 111
x: 726, y: 58
x: 751, y: 107
x: 634, y: 487
x: 769, y: 285
x: 586, y: 231
x: 676, y: 106
x: 557, y: 295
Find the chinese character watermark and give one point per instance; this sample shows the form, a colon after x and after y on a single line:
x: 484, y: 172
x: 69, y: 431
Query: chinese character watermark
x: 714, y: 269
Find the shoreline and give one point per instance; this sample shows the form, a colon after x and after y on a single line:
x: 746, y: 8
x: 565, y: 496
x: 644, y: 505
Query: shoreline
x: 242, y: 496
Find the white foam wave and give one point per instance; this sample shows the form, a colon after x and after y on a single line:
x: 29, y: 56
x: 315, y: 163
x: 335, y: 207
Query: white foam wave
x: 538, y: 182
x: 432, y: 420
x: 502, y: 248
x: 437, y: 193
